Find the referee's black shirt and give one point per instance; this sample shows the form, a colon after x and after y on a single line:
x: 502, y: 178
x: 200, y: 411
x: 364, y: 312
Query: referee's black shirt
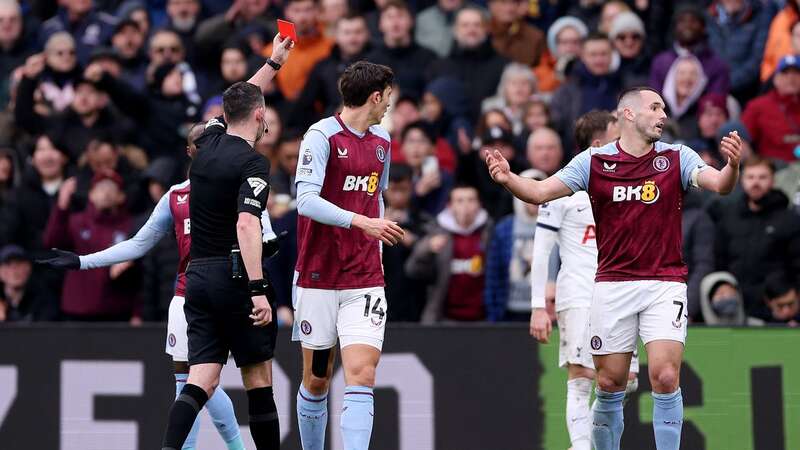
x: 227, y: 177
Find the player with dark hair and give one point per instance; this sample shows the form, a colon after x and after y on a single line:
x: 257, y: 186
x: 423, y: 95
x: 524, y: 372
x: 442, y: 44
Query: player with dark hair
x: 636, y: 187
x: 568, y: 223
x: 339, y: 286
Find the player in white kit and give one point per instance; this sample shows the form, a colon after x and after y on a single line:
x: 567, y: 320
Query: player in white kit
x: 568, y: 223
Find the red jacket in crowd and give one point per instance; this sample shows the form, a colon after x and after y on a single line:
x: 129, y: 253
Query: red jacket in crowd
x: 774, y: 124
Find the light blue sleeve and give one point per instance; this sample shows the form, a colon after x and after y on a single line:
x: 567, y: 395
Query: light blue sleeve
x: 384, y: 183
x: 313, y: 158
x: 157, y: 226
x: 310, y: 204
x: 691, y: 165
x: 267, y: 232
x: 576, y: 174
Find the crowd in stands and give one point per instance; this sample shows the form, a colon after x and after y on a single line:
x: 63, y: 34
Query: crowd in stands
x: 97, y: 99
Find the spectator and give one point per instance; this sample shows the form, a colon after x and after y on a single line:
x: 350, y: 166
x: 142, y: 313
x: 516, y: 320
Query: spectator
x: 399, y: 51
x: 587, y: 11
x: 241, y: 16
x: 282, y: 177
x: 88, y: 27
x: 183, y: 18
x: 592, y: 85
x: 698, y: 247
x: 780, y: 296
x: 721, y: 301
x: 56, y: 82
x: 444, y: 106
x: 434, y: 24
x: 233, y: 67
x: 690, y: 37
x: 516, y: 88
x: 331, y: 11
x: 712, y: 113
x: 472, y: 59
x: 312, y: 46
x: 8, y: 177
x: 472, y: 170
x: 564, y: 40
x: 405, y: 295
x: 24, y: 217
x: 737, y: 32
x: 779, y: 39
x: 451, y: 258
x: 589, y: 123
x: 22, y: 299
x: 544, y: 151
x: 512, y: 37
x: 628, y: 35
x: 87, y: 115
x: 537, y: 115
x: 756, y: 234
x: 773, y: 118
x: 320, y: 96
x: 128, y: 43
x: 103, y: 155
x: 267, y: 146
x: 137, y: 11
x: 684, y: 85
x: 507, y: 294
x: 609, y: 12
x: 165, y: 47
x: 431, y: 183
x: 100, y: 294
x: 489, y: 119
x: 16, y: 43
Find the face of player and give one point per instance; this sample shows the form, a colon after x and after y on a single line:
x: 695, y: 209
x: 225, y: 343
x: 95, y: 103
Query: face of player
x: 786, y: 306
x: 568, y: 42
x: 48, y: 162
x: 469, y: 29
x: 15, y: 273
x: 380, y: 102
x: 106, y: 195
x: 649, y: 116
x: 416, y: 147
x: 464, y: 205
x: 351, y: 36
x: 757, y: 181
x: 233, y: 65
x: 596, y: 56
x: 304, y: 15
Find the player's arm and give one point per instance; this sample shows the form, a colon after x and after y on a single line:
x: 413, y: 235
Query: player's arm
x: 280, y: 51
x: 310, y: 176
x: 156, y: 227
x: 253, y: 194
x: 720, y: 181
x: 526, y: 189
x: 547, y: 229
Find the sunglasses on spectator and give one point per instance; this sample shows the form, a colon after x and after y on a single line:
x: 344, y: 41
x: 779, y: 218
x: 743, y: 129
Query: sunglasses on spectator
x: 629, y: 36
x: 165, y: 49
x: 66, y: 52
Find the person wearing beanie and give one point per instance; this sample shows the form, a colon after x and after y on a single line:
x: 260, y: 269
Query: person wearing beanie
x: 628, y: 35
x: 564, y: 38
x: 689, y: 27
x: 737, y: 32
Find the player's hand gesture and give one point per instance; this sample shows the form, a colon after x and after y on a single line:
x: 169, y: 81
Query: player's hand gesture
x: 541, y: 327
x: 280, y: 48
x: 499, y: 168
x: 731, y: 147
x: 262, y: 312
x: 386, y: 231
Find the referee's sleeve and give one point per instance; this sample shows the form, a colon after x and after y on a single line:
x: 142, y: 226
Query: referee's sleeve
x: 254, y: 189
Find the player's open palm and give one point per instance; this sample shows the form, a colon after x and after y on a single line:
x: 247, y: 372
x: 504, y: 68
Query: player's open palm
x: 541, y: 327
x: 262, y: 312
x: 731, y: 148
x: 384, y: 230
x: 498, y: 166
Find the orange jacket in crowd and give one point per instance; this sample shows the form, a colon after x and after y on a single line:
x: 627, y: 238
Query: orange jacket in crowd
x: 779, y: 41
x: 303, y: 57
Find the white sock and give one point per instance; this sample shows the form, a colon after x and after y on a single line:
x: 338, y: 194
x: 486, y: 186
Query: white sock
x: 579, y: 418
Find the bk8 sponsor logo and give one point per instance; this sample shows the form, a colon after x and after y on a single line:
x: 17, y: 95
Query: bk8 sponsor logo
x: 368, y: 184
x: 647, y: 193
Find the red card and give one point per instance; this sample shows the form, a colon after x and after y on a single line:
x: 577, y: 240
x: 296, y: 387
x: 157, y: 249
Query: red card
x: 286, y: 28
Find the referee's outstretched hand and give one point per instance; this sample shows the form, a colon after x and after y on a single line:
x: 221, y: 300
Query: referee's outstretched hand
x: 386, y: 231
x: 280, y: 48
x: 262, y: 312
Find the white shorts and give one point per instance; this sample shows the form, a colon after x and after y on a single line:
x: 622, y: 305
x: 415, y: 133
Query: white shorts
x: 354, y: 316
x: 177, y: 340
x: 622, y: 311
x: 573, y: 333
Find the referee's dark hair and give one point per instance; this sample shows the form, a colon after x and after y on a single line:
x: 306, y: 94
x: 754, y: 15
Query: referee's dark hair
x: 361, y: 80
x: 589, y: 125
x: 239, y: 100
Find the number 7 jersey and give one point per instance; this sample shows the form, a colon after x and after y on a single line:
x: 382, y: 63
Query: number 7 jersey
x: 637, y: 205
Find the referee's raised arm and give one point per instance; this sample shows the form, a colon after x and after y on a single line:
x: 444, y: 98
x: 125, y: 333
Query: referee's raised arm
x: 280, y: 51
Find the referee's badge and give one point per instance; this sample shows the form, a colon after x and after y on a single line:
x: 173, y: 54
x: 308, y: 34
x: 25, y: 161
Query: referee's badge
x: 380, y: 152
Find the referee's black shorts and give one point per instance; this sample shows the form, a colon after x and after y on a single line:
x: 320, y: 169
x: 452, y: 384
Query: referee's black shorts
x: 218, y: 312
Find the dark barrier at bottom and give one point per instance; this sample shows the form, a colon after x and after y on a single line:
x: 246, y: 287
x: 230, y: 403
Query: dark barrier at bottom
x: 448, y: 388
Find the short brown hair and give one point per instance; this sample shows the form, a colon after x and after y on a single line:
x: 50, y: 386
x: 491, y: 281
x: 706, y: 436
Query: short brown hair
x: 397, y: 4
x: 361, y: 79
x: 589, y: 125
x: 755, y: 160
x: 239, y: 100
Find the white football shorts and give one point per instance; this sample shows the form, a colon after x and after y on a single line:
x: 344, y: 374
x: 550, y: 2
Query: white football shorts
x: 177, y: 340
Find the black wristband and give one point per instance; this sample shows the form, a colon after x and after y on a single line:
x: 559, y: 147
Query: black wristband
x: 273, y: 64
x: 257, y: 287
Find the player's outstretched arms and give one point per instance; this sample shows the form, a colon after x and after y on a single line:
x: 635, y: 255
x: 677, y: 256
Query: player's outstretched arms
x: 525, y: 189
x: 61, y: 259
x: 723, y: 181
x: 386, y: 231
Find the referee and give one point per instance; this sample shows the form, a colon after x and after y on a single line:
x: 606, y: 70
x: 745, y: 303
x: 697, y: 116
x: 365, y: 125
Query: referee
x: 226, y: 308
